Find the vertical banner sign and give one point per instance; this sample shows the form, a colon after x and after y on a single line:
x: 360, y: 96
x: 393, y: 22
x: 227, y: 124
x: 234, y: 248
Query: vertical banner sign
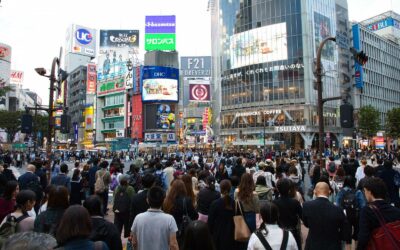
x: 76, y: 131
x: 91, y: 78
x: 205, y: 119
x: 358, y: 74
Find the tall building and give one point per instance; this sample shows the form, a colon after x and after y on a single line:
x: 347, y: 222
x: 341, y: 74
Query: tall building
x: 263, y: 54
x: 378, y: 81
x: 5, y: 70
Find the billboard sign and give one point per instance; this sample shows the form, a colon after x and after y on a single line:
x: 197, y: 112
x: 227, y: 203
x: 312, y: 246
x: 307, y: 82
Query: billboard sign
x: 160, y: 24
x: 117, y: 39
x: 199, y: 90
x: 264, y: 44
x: 196, y: 66
x: 111, y: 87
x: 165, y: 117
x: 157, y: 137
x: 322, y: 30
x: 113, y: 64
x: 160, y: 42
x: 81, y: 40
x: 137, y: 121
x: 358, y: 70
x: 16, y: 77
x: 5, y: 52
x: 160, y: 84
x: 387, y: 22
x: 91, y: 78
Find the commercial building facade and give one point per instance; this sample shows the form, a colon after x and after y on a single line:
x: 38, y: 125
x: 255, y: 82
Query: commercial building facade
x: 378, y: 82
x: 263, y: 54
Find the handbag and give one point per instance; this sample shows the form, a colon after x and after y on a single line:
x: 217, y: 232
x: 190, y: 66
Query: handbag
x: 242, y: 231
x: 387, y: 236
x: 185, y: 221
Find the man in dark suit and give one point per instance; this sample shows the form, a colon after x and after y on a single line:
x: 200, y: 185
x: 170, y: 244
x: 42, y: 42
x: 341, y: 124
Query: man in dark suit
x: 62, y: 179
x: 139, y: 201
x: 31, y: 181
x: 326, y: 222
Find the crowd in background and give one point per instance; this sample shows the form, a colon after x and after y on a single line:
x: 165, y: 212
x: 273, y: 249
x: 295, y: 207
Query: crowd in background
x: 189, y: 202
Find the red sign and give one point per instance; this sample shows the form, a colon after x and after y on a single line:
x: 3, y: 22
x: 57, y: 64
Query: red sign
x: 5, y: 52
x: 199, y: 92
x: 16, y: 77
x: 91, y: 79
x: 137, y: 121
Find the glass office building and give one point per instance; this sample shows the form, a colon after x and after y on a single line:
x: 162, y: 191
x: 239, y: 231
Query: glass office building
x: 263, y: 52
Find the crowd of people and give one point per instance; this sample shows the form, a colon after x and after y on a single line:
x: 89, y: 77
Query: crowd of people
x: 237, y: 201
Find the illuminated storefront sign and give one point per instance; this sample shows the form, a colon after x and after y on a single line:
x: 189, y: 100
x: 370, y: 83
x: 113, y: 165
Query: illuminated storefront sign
x: 290, y: 129
x: 257, y: 113
x: 261, y: 70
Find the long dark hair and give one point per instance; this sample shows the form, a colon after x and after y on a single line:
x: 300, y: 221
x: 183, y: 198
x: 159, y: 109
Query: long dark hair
x: 225, y: 187
x: 177, y: 189
x: 246, y: 188
x: 269, y: 213
x: 9, y: 189
x: 75, y: 223
x: 198, y: 237
x: 187, y: 180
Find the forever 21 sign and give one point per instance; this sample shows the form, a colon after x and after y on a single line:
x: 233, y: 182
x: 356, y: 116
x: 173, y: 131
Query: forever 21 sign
x: 196, y: 66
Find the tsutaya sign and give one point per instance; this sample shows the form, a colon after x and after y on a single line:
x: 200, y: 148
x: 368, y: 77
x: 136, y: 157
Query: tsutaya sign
x: 290, y: 129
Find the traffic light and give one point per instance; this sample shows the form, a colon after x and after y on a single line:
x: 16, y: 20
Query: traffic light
x: 346, y: 116
x: 65, y: 121
x: 360, y: 57
x: 26, y: 124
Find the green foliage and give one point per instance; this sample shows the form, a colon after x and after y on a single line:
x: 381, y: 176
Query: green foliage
x: 4, y: 90
x: 393, y: 123
x: 368, y: 121
x: 10, y: 122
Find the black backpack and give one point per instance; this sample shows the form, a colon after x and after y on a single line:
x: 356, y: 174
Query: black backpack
x: 121, y: 201
x: 9, y: 227
x: 349, y: 203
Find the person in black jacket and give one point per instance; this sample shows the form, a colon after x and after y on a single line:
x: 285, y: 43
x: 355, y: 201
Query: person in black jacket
x: 326, y: 222
x: 387, y: 175
x: 102, y: 230
x: 139, y: 201
x: 92, y: 175
x: 290, y: 210
x: 238, y: 170
x: 375, y: 192
x: 220, y: 219
x: 206, y: 196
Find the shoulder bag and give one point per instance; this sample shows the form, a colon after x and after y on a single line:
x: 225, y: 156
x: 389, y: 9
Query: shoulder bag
x: 242, y: 231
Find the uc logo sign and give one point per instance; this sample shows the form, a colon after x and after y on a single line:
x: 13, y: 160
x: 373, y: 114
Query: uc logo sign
x: 83, y: 36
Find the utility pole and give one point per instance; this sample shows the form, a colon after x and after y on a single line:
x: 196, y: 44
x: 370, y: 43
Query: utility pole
x: 319, y: 74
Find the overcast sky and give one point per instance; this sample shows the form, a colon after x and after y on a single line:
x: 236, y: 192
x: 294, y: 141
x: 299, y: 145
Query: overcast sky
x: 36, y: 28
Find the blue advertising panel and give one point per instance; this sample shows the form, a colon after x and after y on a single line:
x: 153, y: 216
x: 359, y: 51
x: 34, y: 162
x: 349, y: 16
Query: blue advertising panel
x: 381, y: 24
x: 160, y: 84
x: 160, y: 25
x: 358, y: 74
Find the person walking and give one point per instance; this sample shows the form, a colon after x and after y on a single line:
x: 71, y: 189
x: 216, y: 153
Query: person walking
x: 62, y: 179
x: 290, y: 210
x: 329, y: 234
x: 139, y: 202
x: 154, y: 229
x: 7, y: 201
x: 76, y: 195
x: 375, y: 192
x: 102, y: 184
x: 102, y: 230
x: 220, y: 218
x: 198, y: 237
x: 92, y: 175
x: 179, y: 205
x: 270, y: 235
x: 74, y: 231
x: 205, y: 197
x: 122, y: 201
x: 387, y: 175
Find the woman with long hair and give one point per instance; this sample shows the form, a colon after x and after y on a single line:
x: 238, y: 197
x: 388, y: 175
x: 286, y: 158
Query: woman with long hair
x: 7, y: 202
x: 187, y: 180
x: 198, y: 237
x: 76, y: 195
x: 220, y: 218
x: 85, y: 181
x: 221, y: 173
x: 269, y: 233
x: 74, y: 230
x: 246, y: 200
x: 179, y: 204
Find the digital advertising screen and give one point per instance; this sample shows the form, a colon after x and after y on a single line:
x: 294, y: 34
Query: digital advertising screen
x: 160, y: 84
x: 264, y: 44
x: 165, y: 117
x: 322, y: 30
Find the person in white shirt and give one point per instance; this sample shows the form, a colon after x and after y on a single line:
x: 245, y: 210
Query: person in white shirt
x: 269, y: 233
x: 360, y: 171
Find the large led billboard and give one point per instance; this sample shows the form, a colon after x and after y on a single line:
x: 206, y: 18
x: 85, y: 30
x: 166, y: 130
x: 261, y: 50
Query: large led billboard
x: 160, y: 84
x: 160, y: 33
x: 322, y: 30
x: 264, y: 44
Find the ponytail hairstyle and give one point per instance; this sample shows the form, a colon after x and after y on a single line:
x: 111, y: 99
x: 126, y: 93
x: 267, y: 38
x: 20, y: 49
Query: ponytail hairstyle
x: 211, y: 182
x: 270, y: 214
x: 225, y: 187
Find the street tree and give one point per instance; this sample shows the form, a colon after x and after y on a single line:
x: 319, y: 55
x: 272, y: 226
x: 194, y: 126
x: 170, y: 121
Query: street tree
x: 11, y: 123
x: 368, y: 121
x: 41, y: 124
x: 393, y: 123
x: 4, y: 90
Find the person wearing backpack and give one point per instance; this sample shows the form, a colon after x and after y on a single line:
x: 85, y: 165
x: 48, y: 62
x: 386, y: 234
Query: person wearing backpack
x: 135, y: 180
x: 19, y: 220
x: 351, y: 201
x: 379, y: 212
x: 270, y: 235
x: 160, y: 177
x: 101, y: 186
x: 123, y: 195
